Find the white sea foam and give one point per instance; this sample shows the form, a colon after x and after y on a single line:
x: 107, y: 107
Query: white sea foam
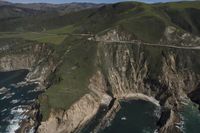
x: 156, y: 131
x: 4, y: 97
x: 18, y: 114
x: 181, y: 125
x: 123, y: 118
x: 157, y: 112
x: 3, y: 110
x: 31, y: 101
x: 34, y: 90
x: 14, y: 101
x: 14, y: 85
x: 32, y: 130
x: 7, y: 96
x: 3, y: 90
x: 6, y: 119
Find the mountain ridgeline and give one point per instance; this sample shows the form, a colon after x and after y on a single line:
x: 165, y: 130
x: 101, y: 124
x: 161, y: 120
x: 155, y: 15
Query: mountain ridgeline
x: 92, y: 56
x: 132, y: 17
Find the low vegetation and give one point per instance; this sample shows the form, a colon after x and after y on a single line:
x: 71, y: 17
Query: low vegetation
x: 72, y: 78
x: 70, y: 81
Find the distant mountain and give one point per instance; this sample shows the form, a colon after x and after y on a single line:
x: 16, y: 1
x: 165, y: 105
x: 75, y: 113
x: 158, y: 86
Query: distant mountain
x: 62, y: 8
x: 3, y: 3
x: 11, y: 12
x: 144, y: 21
x: 59, y: 7
x: 13, y: 15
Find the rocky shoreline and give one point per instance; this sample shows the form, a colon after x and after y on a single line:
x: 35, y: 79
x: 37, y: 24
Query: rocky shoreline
x: 38, y: 60
x: 126, y: 72
x: 111, y: 113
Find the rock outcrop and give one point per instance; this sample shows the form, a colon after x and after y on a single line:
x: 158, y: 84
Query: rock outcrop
x: 165, y: 76
x: 32, y: 56
x: 80, y: 113
x: 35, y: 57
x: 162, y: 75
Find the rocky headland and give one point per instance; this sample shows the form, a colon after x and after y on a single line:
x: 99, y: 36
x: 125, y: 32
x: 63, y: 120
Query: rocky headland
x: 37, y: 59
x: 133, y: 70
x: 102, y: 56
x: 128, y: 71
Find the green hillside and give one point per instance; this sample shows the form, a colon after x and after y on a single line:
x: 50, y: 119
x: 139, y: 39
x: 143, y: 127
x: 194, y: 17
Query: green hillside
x: 146, y: 22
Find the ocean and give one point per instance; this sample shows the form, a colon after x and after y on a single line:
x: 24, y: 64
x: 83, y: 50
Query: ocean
x: 135, y: 116
x: 15, y: 98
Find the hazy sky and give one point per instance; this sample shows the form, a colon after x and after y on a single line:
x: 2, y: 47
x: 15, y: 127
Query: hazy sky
x: 93, y: 1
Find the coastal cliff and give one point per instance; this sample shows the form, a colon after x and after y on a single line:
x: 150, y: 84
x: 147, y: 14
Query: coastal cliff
x: 127, y: 69
x: 38, y: 59
x: 33, y: 56
x: 161, y: 74
x: 87, y: 62
x: 80, y: 113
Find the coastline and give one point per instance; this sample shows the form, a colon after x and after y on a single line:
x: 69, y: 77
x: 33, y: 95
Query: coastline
x: 110, y: 115
x: 138, y: 96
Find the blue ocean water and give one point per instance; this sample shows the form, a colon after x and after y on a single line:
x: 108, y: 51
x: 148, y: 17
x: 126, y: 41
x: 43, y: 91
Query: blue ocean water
x: 15, y: 97
x: 134, y: 117
x: 141, y: 117
x: 191, y: 118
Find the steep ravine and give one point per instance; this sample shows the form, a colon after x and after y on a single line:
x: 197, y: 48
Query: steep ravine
x: 161, y: 75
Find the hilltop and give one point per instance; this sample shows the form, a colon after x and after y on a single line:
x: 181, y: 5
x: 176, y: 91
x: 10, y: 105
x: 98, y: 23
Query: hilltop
x: 144, y: 21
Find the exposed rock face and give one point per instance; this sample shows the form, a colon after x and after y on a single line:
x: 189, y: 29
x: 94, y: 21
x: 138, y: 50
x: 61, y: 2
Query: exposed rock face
x: 115, y: 35
x: 80, y: 113
x: 10, y: 63
x: 60, y: 122
x: 164, y: 76
x: 37, y: 58
x: 173, y: 36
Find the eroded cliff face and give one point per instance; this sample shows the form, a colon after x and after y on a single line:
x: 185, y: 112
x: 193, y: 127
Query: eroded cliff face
x: 37, y: 58
x: 167, y: 74
x: 67, y: 121
x: 136, y: 70
x: 80, y: 113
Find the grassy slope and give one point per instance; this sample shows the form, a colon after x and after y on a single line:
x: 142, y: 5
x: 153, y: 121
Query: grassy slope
x: 40, y: 37
x: 146, y: 22
x: 184, y: 15
x: 72, y: 78
x: 55, y: 36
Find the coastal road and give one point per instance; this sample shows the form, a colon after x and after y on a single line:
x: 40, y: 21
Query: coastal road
x: 91, y: 37
x: 150, y: 44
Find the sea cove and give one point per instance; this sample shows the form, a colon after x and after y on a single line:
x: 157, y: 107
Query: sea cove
x: 135, y: 116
